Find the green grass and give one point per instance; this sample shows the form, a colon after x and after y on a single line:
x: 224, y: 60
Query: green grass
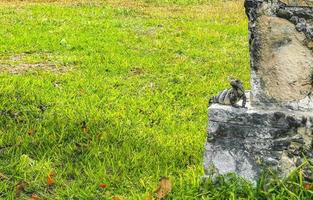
x: 138, y: 73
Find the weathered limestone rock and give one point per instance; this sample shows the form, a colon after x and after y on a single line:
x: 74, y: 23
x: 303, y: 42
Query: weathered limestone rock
x: 285, y: 65
x: 276, y: 130
x: 298, y: 2
x: 281, y: 54
x: 245, y: 140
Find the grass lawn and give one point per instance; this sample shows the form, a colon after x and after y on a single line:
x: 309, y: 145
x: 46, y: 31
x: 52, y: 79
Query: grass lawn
x: 112, y: 92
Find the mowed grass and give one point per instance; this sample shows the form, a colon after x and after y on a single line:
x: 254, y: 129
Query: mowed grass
x: 129, y: 104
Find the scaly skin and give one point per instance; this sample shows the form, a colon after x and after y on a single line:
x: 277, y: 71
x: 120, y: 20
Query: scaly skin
x: 231, y: 96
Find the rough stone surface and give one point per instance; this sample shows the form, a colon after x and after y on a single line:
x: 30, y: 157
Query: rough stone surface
x: 245, y: 140
x: 298, y: 2
x: 301, y: 17
x: 285, y: 64
x: 281, y: 54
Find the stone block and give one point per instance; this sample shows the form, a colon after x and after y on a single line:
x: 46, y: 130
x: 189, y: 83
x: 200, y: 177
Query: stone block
x: 281, y: 54
x: 244, y: 141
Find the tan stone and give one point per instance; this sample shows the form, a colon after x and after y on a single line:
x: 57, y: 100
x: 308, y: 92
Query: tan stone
x: 286, y: 63
x: 310, y: 44
x: 298, y: 2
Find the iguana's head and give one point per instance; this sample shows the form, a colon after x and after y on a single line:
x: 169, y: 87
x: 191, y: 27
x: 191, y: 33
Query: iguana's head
x: 236, y: 83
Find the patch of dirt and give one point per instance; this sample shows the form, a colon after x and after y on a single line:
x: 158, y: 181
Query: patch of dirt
x: 21, y: 3
x: 137, y: 71
x: 22, y: 68
x: 203, y: 11
x: 192, y: 11
x: 30, y: 62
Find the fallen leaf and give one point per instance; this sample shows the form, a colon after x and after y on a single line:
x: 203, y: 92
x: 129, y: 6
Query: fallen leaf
x: 20, y: 187
x: 33, y: 197
x: 115, y: 198
x: 103, y: 185
x: 50, y: 180
x: 165, y: 187
x: 307, y: 186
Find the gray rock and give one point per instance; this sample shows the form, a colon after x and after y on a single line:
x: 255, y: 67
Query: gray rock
x: 244, y: 141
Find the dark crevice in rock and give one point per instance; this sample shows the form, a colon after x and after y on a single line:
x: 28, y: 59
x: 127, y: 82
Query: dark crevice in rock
x: 305, y: 12
x: 251, y: 7
x: 299, y: 16
x: 311, y: 78
x: 256, y: 125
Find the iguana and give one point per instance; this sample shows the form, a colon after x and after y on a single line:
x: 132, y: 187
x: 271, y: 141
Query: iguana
x: 231, y: 96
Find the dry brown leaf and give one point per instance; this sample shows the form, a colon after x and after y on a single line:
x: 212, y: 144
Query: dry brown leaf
x: 31, y: 132
x: 50, y: 180
x: 103, y: 185
x: 20, y: 187
x: 165, y: 187
x: 307, y: 186
x: 115, y: 198
x: 33, y: 197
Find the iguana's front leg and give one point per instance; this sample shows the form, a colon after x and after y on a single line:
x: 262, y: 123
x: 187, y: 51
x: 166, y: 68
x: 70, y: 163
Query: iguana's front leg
x: 233, y: 98
x: 235, y: 105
